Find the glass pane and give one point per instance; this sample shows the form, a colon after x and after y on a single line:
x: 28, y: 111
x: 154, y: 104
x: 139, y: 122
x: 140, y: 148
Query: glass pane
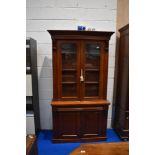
x: 69, y: 90
x: 69, y: 51
x: 92, y: 76
x: 92, y: 69
x: 69, y: 69
x: 92, y: 55
x: 68, y: 76
x: 91, y: 90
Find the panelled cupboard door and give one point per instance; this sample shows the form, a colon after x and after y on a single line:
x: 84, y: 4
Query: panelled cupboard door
x: 80, y: 70
x: 68, y: 69
x: 66, y: 125
x: 92, y: 124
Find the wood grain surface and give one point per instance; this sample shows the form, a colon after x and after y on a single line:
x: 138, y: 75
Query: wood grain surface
x: 121, y: 148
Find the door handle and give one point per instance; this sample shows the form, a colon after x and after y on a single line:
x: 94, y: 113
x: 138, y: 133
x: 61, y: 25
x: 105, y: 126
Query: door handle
x: 81, y: 76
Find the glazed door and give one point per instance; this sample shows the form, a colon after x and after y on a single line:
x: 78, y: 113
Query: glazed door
x: 68, y: 69
x: 80, y: 68
x: 92, y: 70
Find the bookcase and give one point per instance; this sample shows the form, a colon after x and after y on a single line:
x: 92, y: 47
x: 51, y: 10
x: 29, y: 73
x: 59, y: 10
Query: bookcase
x: 80, y: 68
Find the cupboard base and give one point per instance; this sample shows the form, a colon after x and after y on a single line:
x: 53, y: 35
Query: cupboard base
x: 79, y: 121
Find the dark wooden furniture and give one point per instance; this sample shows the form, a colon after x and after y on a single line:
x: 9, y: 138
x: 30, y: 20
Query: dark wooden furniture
x: 80, y: 67
x: 121, y: 93
x: 31, y: 145
x: 32, y: 99
x: 121, y: 148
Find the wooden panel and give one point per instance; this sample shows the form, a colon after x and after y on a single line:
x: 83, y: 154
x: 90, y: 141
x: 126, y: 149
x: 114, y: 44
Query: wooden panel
x: 66, y: 125
x: 80, y: 123
x: 55, y: 70
x: 96, y: 108
x: 121, y: 93
x: 69, y: 126
x: 92, y: 124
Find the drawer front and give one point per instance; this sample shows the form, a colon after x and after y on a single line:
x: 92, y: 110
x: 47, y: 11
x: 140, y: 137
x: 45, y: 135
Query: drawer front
x: 99, y: 108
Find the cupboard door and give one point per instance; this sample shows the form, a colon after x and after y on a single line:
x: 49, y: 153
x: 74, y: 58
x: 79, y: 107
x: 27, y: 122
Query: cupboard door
x: 66, y: 125
x: 93, y: 123
x: 68, y: 70
x: 92, y: 61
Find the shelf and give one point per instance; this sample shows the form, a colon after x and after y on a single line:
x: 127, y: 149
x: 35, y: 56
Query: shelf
x: 92, y: 82
x: 68, y: 82
x: 72, y: 69
x: 89, y: 69
x: 93, y: 69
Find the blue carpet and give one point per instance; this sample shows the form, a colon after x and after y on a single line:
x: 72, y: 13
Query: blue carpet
x: 47, y: 147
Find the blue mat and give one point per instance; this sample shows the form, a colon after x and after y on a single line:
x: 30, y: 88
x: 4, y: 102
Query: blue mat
x: 47, y: 147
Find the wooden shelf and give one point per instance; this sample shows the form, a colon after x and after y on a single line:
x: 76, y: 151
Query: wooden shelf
x: 69, y: 82
x: 91, y: 82
x: 93, y: 69
x: 68, y: 69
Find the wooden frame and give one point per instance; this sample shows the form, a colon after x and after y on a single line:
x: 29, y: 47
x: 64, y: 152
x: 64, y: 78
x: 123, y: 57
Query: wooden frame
x: 121, y: 87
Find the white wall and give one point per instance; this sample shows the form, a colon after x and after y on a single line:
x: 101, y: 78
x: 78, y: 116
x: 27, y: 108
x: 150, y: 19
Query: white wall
x: 43, y: 15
